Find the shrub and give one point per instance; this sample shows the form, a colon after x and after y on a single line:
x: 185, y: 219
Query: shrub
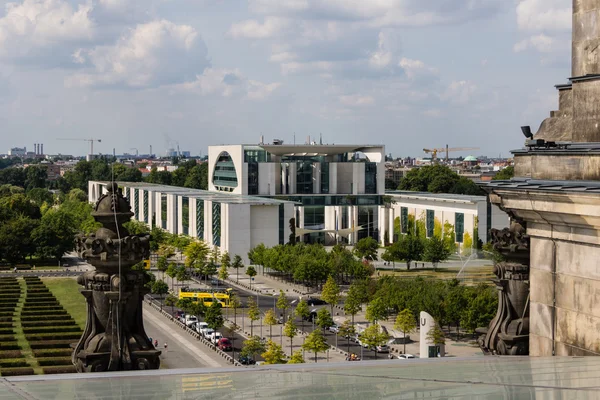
x: 4, y: 317
x: 51, y: 344
x: 6, y: 331
x: 43, y: 300
x: 52, y: 353
x: 60, y: 370
x: 7, y: 338
x: 43, y: 308
x: 10, y: 346
x: 13, y: 363
x: 49, y: 329
x: 10, y: 354
x: 16, y: 371
x: 50, y: 361
x: 38, y: 324
x: 43, y: 313
x: 53, y: 336
x: 35, y: 317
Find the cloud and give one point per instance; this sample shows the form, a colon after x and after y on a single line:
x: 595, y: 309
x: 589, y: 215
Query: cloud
x: 34, y: 26
x: 382, y: 57
x: 415, y: 69
x: 152, y: 54
x: 542, y: 43
x: 253, y: 29
x: 356, y: 100
x: 544, y: 15
x: 459, y: 92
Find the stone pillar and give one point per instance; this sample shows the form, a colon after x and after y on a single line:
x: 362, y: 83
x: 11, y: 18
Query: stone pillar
x: 586, y: 38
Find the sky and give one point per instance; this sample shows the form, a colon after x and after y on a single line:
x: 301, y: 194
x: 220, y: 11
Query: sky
x: 410, y: 74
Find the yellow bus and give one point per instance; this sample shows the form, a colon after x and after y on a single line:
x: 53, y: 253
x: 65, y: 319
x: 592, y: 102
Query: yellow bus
x: 208, y: 296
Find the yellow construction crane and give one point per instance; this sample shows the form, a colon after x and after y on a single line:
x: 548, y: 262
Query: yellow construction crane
x: 446, y: 149
x: 85, y: 140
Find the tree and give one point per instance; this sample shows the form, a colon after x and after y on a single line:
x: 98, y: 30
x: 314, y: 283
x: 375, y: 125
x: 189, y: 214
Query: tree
x: 55, y: 234
x: 374, y: 336
x: 15, y: 238
x: 467, y: 244
x: 36, y: 177
x: 435, y: 251
x: 324, y: 319
x: 198, y: 308
x: 185, y: 304
x: 223, y: 273
x: 195, y: 254
x: 270, y: 320
x: 253, y: 313
x: 257, y: 255
x: 182, y: 274
x: 296, y: 358
x: 315, y: 343
x: 347, y: 331
x: 197, y: 177
x: 170, y: 301
x: 405, y: 322
x: 409, y: 248
x: 171, y: 272
x: 436, y: 336
x: 214, y: 317
x: 162, y: 264
x: 505, y: 174
x: 136, y: 227
x: 331, y: 292
x: 377, y: 310
x: 291, y: 331
x: 215, y: 254
x: 160, y: 288
x: 302, y: 311
x: 237, y: 264
x: 354, y: 300
x: 40, y: 196
x: 226, y: 260
x: 251, y: 272
x: 273, y: 354
x: 482, y: 306
x: 283, y: 303
x: 252, y: 347
x: 366, y: 248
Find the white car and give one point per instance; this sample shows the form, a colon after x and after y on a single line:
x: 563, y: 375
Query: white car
x: 190, y: 320
x: 200, y: 326
x: 383, y: 348
x: 405, y: 356
x: 207, y: 333
x: 215, y: 337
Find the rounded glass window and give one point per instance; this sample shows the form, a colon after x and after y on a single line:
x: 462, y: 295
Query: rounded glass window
x: 224, y: 175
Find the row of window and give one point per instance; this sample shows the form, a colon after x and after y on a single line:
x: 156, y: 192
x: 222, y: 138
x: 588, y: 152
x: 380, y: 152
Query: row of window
x: 459, y: 223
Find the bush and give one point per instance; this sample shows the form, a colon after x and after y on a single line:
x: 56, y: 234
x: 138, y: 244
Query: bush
x: 13, y: 363
x: 52, y: 353
x: 38, y: 294
x: 10, y: 346
x: 50, y: 361
x: 53, y: 336
x: 38, y: 324
x: 34, y: 317
x: 10, y: 354
x: 7, y: 338
x: 49, y: 329
x: 43, y: 313
x: 16, y: 371
x: 43, y: 308
x: 51, y: 344
x: 60, y: 370
x: 5, y: 317
x: 6, y: 331
x: 43, y: 300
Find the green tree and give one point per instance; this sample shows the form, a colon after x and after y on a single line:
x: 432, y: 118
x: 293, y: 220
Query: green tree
x: 331, y: 292
x: 324, y: 319
x: 195, y: 254
x: 347, y: 331
x: 436, y: 336
x: 251, y: 272
x: 435, y: 251
x: 36, y: 177
x: 291, y: 331
x: 253, y: 313
x: 257, y: 255
x: 40, y: 196
x: 55, y: 234
x: 237, y: 264
x: 405, y: 322
x: 160, y: 288
x: 283, y: 303
x: 296, y: 358
x: 162, y: 264
x: 185, y: 304
x: 223, y: 273
x: 302, y: 311
x: 197, y: 177
x: 354, y: 300
x: 170, y: 301
x: 377, y: 310
x: 505, y: 174
x: 198, y: 308
x: 182, y: 274
x: 214, y: 317
x: 467, y: 247
x: 315, y: 343
x: 252, y: 347
x: 270, y: 320
x: 449, y: 238
x: 15, y: 238
x: 366, y: 248
x: 482, y: 306
x: 136, y: 227
x: 171, y: 272
x: 374, y: 336
x: 410, y: 248
x: 273, y: 353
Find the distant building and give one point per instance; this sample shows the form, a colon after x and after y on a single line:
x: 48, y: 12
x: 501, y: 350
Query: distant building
x: 18, y: 151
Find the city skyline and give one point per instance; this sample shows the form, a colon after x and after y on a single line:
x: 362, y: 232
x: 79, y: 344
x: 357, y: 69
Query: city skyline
x: 404, y: 73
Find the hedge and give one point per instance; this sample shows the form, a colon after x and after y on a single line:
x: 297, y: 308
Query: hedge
x: 36, y: 300
x: 52, y: 353
x: 38, y: 294
x: 51, y: 344
x: 38, y: 324
x: 10, y: 354
x: 48, y: 329
x: 16, y: 371
x: 33, y: 317
x: 53, y: 336
x: 43, y: 308
x: 60, y: 370
x: 13, y: 363
x: 6, y: 331
x: 42, y: 313
x: 51, y: 361
x: 6, y: 318
x: 10, y: 346
x: 7, y: 337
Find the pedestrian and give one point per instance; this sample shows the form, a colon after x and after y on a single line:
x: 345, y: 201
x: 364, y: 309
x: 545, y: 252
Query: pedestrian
x: 150, y: 339
x: 165, y: 346
x: 155, y: 343
x: 15, y: 270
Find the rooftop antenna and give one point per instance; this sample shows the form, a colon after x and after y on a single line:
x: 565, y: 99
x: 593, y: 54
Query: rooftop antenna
x: 320, y: 138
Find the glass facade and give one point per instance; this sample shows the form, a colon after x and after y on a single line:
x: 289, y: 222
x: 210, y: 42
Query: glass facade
x: 224, y: 176
x: 281, y: 224
x: 404, y: 219
x: 367, y: 220
x: 256, y: 156
x: 459, y: 226
x: 324, y: 178
x: 341, y: 200
x: 370, y: 178
x: 136, y: 203
x: 200, y: 218
x: 185, y: 215
x: 145, y: 206
x: 252, y: 178
x: 304, y: 178
x: 314, y: 217
x: 163, y: 211
x: 430, y: 222
x: 216, y: 223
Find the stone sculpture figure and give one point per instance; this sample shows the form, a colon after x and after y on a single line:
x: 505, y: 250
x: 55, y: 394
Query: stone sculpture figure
x: 114, y: 338
x: 508, y: 332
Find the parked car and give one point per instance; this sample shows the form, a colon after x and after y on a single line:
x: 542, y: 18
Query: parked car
x: 178, y: 315
x: 383, y: 348
x: 315, y: 301
x: 311, y: 316
x: 207, y: 333
x: 215, y: 337
x: 334, y: 328
x: 224, y: 344
x: 190, y: 319
x: 215, y: 282
x: 405, y: 356
x: 244, y: 360
x: 200, y: 326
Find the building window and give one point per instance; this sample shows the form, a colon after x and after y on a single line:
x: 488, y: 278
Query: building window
x: 404, y: 219
x: 145, y: 206
x: 252, y: 178
x: 366, y: 221
x: 136, y: 203
x: 430, y: 222
x: 200, y: 219
x: 256, y: 156
x: 314, y: 217
x: 459, y: 226
x: 176, y: 215
x: 216, y: 223
x: 224, y: 176
x: 281, y: 224
x: 185, y: 215
x: 304, y: 178
x: 324, y: 178
x: 370, y: 178
x: 163, y: 211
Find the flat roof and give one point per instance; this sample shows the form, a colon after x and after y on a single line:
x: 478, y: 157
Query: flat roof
x: 481, y: 377
x: 545, y: 185
x: 459, y: 198
x: 220, y: 197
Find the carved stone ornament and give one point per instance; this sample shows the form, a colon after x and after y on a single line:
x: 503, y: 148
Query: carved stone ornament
x: 114, y: 338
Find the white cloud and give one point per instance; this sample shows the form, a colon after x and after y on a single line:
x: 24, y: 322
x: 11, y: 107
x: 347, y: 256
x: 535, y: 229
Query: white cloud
x: 541, y: 43
x: 544, y: 15
x: 416, y: 69
x: 283, y: 57
x: 260, y: 91
x: 459, y: 92
x: 151, y: 54
x: 41, y: 24
x: 382, y: 57
x: 356, y: 100
x: 253, y: 29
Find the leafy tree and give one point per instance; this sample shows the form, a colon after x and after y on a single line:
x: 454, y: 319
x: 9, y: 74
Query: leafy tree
x: 15, y: 238
x: 130, y: 175
x: 270, y: 320
x: 374, y: 336
x: 170, y: 301
x: 160, y: 288
x: 273, y: 354
x: 291, y: 331
x: 182, y: 274
x: 136, y: 227
x: 166, y: 250
x: 376, y: 310
x: 185, y: 304
x: 356, y: 297
x: 405, y: 322
x: 257, y: 255
x: 467, y: 247
x: 435, y: 251
x: 251, y: 272
x: 409, y: 248
x: 55, y: 234
x: 162, y: 264
x: 331, y: 292
x: 36, y: 177
x: 237, y: 264
x: 283, y: 303
x: 215, y: 254
x: 455, y: 303
x: 195, y: 254
x: 449, y: 238
x: 223, y: 273
x: 505, y: 174
x: 436, y: 336
x: 324, y: 319
x: 296, y: 358
x: 214, y: 317
x: 253, y: 313
x: 315, y: 343
x: 252, y: 347
x: 347, y: 331
x: 171, y: 272
x: 483, y: 303
x: 366, y: 248
x: 40, y: 196
x: 302, y: 311
x: 197, y: 177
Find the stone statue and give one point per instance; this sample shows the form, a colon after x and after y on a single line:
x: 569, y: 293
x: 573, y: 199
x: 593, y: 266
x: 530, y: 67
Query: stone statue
x: 508, y: 332
x: 114, y: 338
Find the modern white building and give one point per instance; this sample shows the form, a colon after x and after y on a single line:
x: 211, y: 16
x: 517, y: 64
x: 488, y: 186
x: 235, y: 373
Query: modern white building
x: 233, y: 222
x: 465, y: 213
x: 338, y: 188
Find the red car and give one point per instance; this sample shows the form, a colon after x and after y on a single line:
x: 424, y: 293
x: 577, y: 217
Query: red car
x: 224, y: 344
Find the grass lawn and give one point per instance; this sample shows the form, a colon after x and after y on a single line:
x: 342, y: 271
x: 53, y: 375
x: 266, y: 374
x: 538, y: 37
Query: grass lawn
x: 472, y: 275
x: 66, y: 290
